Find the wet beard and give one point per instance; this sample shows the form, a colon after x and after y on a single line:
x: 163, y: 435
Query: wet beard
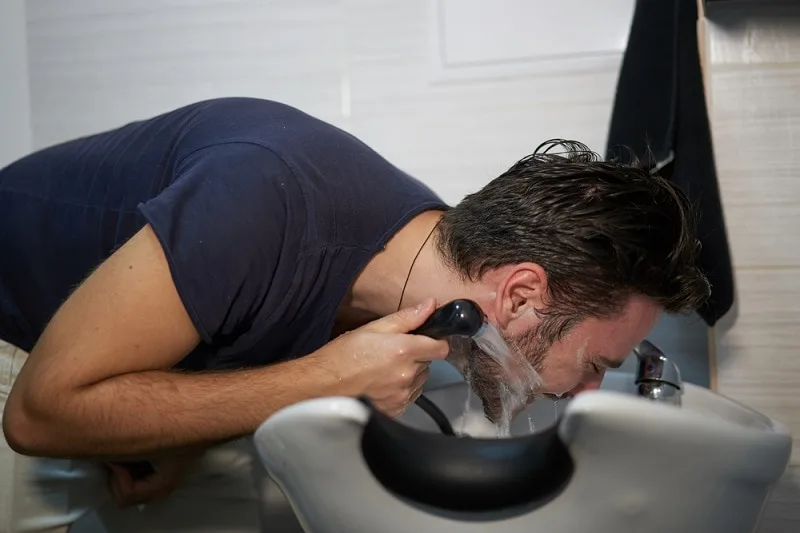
x: 504, y: 392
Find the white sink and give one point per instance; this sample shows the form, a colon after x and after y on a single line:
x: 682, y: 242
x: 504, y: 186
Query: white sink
x: 707, y: 466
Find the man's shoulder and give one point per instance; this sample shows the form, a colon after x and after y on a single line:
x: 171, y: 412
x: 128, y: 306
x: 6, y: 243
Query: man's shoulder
x: 236, y: 107
x: 272, y: 125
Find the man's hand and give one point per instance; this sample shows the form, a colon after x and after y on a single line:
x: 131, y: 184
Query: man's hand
x: 382, y: 361
x: 167, y: 474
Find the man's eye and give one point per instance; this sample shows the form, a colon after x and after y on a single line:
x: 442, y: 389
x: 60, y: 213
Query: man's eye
x: 596, y: 368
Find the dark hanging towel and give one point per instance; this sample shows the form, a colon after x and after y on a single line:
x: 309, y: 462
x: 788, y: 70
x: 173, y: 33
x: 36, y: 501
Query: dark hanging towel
x: 660, y: 114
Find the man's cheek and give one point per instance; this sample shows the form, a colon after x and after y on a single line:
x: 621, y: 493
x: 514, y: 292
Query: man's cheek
x: 553, y: 378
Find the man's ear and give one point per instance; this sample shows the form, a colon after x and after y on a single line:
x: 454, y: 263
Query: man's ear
x: 522, y: 291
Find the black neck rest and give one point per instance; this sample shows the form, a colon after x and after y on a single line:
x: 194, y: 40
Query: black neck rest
x: 464, y: 473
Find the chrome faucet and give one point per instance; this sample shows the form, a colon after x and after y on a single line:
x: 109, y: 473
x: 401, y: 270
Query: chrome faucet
x: 657, y: 378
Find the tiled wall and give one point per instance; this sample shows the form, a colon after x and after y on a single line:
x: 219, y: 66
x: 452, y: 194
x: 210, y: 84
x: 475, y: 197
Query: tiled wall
x: 754, y: 88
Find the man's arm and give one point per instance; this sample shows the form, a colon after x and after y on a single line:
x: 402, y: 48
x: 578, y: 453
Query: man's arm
x: 97, y: 384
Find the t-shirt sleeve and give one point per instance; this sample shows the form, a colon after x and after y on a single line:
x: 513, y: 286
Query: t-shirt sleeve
x: 222, y: 224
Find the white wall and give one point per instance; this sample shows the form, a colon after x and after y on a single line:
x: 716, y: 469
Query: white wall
x: 365, y: 65
x: 96, y: 64
x: 15, y: 119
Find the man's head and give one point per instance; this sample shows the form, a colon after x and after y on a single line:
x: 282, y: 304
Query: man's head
x: 574, y: 259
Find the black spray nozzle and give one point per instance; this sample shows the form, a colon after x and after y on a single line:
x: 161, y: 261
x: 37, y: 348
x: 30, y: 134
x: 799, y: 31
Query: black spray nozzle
x: 461, y: 318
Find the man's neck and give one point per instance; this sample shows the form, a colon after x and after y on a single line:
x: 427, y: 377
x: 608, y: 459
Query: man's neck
x: 378, y: 289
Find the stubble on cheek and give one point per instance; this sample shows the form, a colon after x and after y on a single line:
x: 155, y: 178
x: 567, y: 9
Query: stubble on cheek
x: 491, y: 382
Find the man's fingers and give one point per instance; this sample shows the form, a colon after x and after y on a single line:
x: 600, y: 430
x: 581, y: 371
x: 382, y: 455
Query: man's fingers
x: 129, y: 491
x: 439, y: 349
x: 405, y: 320
x: 113, y: 487
x: 122, y: 476
x: 419, y: 382
x: 422, y: 348
x: 149, y: 489
x: 120, y: 483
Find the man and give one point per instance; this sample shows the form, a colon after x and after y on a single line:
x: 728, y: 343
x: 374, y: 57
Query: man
x: 179, y: 279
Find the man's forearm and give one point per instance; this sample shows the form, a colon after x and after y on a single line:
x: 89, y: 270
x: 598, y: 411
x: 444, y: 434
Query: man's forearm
x: 139, y: 415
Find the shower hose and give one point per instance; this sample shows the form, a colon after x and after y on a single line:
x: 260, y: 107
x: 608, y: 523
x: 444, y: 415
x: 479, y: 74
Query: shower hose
x: 433, y: 411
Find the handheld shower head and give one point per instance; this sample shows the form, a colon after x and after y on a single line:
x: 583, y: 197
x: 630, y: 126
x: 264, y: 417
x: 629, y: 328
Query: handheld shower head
x: 459, y: 318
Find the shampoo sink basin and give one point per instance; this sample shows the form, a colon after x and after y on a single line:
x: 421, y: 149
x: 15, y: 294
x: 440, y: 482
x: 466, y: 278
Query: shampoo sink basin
x: 610, y: 461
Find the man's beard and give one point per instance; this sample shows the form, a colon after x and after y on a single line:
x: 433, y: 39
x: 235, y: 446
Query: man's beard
x: 504, y: 391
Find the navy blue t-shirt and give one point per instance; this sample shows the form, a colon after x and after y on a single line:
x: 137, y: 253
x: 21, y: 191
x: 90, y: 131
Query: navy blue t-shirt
x: 266, y: 216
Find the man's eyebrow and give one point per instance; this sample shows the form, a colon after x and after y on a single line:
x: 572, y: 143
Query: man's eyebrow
x: 608, y: 363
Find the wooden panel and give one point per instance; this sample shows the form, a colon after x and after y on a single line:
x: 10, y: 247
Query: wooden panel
x: 765, y: 379
x: 763, y: 35
x: 756, y: 122
x: 782, y: 512
x: 754, y: 75
x: 769, y: 310
x: 759, y: 358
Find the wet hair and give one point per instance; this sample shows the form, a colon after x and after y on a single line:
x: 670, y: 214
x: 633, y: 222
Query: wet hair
x: 603, y: 231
